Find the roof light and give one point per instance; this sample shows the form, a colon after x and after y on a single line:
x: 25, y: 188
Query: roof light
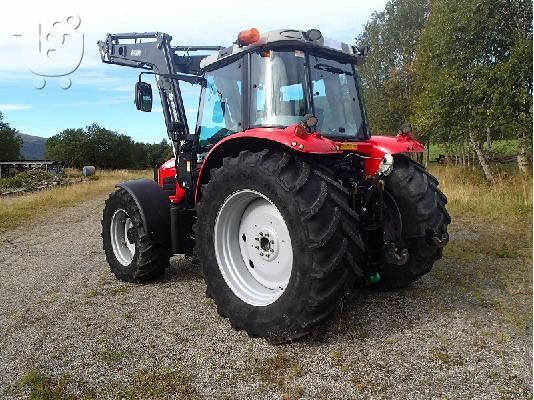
x: 247, y: 37
x: 314, y: 34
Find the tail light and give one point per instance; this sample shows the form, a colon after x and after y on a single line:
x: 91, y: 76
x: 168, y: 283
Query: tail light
x: 248, y: 37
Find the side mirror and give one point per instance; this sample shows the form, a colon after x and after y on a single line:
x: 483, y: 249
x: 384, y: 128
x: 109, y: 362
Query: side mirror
x: 218, y: 112
x: 405, y: 129
x: 143, y: 96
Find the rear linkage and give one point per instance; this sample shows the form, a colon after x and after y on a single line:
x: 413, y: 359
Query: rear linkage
x: 381, y: 222
x: 367, y: 199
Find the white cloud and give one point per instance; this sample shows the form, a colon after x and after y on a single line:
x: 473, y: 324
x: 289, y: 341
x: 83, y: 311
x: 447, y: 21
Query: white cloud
x: 12, y: 107
x: 126, y: 88
x: 202, y: 22
x: 107, y: 101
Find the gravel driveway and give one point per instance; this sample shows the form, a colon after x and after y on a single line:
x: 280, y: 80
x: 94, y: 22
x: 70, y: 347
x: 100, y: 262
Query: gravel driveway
x: 69, y: 329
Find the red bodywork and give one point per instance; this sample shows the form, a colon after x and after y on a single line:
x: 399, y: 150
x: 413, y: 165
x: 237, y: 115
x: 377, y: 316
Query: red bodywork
x: 375, y: 148
x: 168, y: 170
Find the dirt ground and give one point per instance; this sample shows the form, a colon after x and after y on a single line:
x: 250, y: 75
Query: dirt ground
x: 68, y: 329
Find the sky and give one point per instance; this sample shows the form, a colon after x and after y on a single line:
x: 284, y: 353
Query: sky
x: 83, y: 90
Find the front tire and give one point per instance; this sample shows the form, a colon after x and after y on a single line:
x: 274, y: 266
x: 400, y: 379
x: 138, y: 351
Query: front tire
x: 414, y: 194
x: 129, y: 252
x: 277, y: 243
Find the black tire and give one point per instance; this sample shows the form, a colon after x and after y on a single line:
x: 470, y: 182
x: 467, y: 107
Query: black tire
x: 327, y: 250
x: 149, y: 260
x: 424, y: 216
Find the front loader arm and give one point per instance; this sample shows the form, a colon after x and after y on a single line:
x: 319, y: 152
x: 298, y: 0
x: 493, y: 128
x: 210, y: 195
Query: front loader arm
x: 156, y: 54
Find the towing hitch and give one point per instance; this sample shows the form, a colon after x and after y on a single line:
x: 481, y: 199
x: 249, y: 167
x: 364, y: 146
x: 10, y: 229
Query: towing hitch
x: 394, y: 255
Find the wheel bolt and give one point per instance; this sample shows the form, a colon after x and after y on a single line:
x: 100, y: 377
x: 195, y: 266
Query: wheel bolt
x: 267, y: 255
x: 272, y: 241
x: 261, y: 254
x: 261, y: 233
x: 258, y: 239
x: 266, y: 235
x: 272, y: 250
x: 257, y: 247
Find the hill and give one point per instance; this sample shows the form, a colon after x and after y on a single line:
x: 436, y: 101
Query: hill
x: 33, y: 147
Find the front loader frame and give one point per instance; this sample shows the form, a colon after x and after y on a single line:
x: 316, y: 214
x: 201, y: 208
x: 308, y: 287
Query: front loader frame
x: 158, y: 56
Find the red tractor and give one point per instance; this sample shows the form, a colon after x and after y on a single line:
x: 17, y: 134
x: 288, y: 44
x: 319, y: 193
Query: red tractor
x: 280, y: 192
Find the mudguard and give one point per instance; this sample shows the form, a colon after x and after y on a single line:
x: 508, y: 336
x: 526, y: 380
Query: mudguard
x: 154, y: 207
x: 378, y: 146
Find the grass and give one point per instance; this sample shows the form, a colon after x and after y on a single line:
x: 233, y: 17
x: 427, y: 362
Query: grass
x: 280, y: 370
x: 445, y: 358
x: 494, y: 250
x: 42, y: 387
x: 163, y: 383
x: 15, y: 211
x: 510, y: 195
x: 111, y: 356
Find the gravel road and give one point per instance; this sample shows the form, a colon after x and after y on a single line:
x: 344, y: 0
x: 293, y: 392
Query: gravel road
x: 69, y: 329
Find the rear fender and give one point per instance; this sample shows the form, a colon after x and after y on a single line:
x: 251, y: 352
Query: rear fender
x: 258, y: 139
x: 153, y: 204
x: 378, y: 146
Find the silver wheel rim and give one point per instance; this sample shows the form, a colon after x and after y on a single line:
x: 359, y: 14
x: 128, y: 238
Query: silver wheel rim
x: 123, y: 249
x: 253, y: 247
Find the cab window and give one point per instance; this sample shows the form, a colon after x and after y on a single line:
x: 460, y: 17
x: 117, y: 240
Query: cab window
x: 277, y: 88
x: 221, y: 109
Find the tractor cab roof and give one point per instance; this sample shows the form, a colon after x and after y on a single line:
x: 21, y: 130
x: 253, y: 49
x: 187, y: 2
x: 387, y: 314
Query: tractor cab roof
x: 310, y: 41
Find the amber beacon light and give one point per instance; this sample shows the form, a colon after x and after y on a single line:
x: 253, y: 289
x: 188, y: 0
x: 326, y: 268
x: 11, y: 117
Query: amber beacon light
x: 247, y: 37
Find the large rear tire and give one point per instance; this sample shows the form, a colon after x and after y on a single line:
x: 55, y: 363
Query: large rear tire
x: 129, y: 252
x: 277, y: 243
x: 424, y: 221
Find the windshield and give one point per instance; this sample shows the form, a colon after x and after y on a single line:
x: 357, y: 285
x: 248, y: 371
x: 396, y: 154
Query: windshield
x: 281, y: 94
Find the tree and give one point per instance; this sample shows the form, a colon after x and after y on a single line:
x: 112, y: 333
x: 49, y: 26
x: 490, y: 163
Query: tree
x: 469, y: 77
x: 106, y: 149
x: 512, y: 92
x: 388, y: 75
x: 70, y: 146
x: 10, y: 142
x: 157, y: 154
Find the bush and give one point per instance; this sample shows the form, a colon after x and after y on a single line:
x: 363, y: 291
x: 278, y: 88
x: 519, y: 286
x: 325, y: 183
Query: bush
x: 27, y: 179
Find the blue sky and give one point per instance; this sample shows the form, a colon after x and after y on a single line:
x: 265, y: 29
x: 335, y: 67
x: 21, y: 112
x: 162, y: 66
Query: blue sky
x: 104, y: 93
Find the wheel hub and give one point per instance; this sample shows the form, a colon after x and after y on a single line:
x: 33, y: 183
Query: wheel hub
x: 267, y: 244
x: 123, y: 237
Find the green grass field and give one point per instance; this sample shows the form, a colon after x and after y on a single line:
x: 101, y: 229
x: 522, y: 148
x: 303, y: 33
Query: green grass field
x: 502, y: 147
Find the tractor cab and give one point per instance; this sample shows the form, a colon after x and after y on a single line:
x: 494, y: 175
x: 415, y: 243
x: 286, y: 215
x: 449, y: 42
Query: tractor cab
x: 276, y: 80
